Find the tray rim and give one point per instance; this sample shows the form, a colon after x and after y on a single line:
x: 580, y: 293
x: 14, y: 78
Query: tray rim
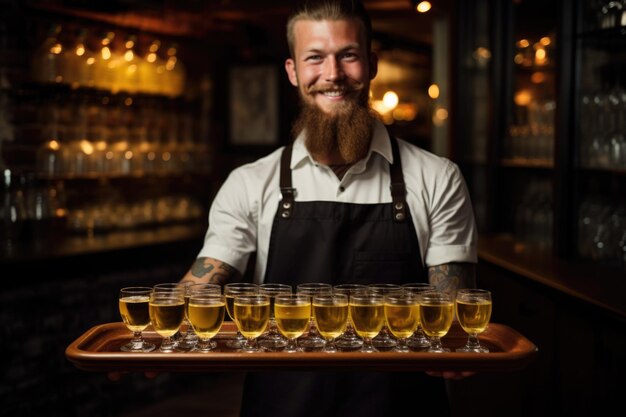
x: 520, y: 355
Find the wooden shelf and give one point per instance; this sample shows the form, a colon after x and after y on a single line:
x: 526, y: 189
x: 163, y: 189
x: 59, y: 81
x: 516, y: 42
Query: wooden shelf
x: 592, y: 283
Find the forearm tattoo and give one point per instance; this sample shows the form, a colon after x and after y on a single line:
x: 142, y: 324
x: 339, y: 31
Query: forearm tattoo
x: 216, y: 271
x: 452, y: 276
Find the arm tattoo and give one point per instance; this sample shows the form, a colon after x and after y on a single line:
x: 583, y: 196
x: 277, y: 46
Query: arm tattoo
x: 216, y: 271
x: 452, y: 276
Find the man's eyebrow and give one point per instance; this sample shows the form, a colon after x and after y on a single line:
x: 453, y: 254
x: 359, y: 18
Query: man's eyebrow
x: 316, y: 50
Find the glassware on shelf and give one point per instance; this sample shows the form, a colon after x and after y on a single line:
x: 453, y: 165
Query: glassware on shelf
x: 48, y: 59
x: 175, y: 73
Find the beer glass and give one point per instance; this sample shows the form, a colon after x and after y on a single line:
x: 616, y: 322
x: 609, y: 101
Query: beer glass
x: 191, y: 338
x: 167, y: 311
x: 368, y: 316
x: 436, y: 311
x: 473, y: 310
x: 384, y: 341
x: 273, y: 340
x: 177, y: 338
x: 331, y: 317
x: 231, y: 290
x: 402, y: 317
x: 313, y: 340
x: 418, y: 340
x: 349, y: 341
x: 133, y: 305
x: 292, y: 313
x: 252, y: 313
x: 206, y: 315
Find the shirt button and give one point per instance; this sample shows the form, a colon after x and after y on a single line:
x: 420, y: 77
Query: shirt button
x: 342, y: 189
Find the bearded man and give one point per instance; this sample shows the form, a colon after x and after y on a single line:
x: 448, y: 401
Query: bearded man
x: 344, y: 203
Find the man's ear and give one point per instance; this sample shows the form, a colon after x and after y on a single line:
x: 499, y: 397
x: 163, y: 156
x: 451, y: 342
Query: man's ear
x: 290, y: 67
x: 373, y: 65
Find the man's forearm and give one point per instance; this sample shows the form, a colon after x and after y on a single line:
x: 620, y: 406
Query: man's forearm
x: 452, y: 276
x: 211, y: 270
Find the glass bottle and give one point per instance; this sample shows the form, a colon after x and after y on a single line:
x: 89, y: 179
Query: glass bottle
x: 48, y: 58
x: 104, y: 62
x: 151, y: 69
x: 175, y: 73
x: 128, y: 67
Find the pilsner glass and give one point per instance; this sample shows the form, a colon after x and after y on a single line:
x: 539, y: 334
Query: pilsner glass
x: 436, y: 315
x: 230, y: 292
x: 206, y: 315
x: 384, y: 341
x: 418, y: 340
x: 292, y: 312
x: 133, y: 305
x: 167, y: 311
x: 331, y: 317
x: 313, y: 340
x: 402, y: 317
x: 473, y: 310
x: 191, y: 338
x: 273, y: 340
x: 252, y: 313
x: 349, y: 341
x: 368, y: 316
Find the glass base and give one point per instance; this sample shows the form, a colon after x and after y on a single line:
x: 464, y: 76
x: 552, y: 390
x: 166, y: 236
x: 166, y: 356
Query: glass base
x: 418, y: 343
x: 479, y: 349
x: 273, y: 344
x: 138, y: 348
x: 312, y: 344
x: 349, y: 345
x: 384, y: 343
x: 204, y: 347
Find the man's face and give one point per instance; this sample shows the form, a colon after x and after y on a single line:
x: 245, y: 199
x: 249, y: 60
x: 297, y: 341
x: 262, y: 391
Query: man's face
x: 331, y: 63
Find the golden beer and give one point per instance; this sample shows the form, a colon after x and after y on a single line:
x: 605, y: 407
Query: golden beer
x: 436, y: 318
x: 331, y: 320
x: 167, y: 315
x: 368, y: 319
x: 473, y: 316
x: 292, y: 320
x: 135, y: 312
x: 206, y: 319
x: 402, y: 319
x: 252, y: 319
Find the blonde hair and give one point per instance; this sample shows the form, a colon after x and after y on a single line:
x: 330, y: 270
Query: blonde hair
x: 318, y: 10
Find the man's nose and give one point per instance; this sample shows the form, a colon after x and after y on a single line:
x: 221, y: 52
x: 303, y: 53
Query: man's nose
x: 332, y: 69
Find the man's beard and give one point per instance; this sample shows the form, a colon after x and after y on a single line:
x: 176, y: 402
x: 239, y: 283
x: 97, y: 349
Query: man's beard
x: 347, y: 130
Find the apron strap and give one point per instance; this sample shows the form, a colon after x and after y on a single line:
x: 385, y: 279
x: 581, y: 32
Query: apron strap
x: 398, y: 188
x: 287, y: 192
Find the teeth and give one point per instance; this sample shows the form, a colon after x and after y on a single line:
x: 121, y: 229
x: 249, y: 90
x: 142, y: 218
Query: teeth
x: 333, y: 93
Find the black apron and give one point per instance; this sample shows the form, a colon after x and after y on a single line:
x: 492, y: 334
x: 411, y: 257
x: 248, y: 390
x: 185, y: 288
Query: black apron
x: 341, y: 243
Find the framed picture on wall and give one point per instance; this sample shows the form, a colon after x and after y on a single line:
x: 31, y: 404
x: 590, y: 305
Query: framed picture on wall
x: 253, y: 107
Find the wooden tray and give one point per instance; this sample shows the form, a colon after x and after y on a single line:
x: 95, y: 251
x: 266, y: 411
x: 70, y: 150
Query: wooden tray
x: 98, y: 350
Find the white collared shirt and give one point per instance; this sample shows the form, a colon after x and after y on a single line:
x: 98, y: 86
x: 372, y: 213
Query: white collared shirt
x: 241, y: 216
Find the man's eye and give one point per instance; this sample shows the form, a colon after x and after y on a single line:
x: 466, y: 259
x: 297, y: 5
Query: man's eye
x: 349, y: 55
x: 313, y: 58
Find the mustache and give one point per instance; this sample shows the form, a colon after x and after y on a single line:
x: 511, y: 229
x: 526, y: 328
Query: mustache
x: 346, y: 87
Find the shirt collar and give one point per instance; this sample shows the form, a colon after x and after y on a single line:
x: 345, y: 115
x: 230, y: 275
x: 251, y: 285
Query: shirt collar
x: 380, y: 144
